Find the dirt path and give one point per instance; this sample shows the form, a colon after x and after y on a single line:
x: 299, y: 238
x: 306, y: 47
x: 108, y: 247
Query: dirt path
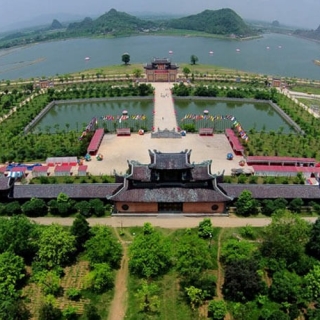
x: 164, y: 221
x: 220, y: 278
x: 220, y: 275
x: 119, y: 303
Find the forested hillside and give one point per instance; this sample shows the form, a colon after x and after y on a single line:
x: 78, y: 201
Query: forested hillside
x: 223, y: 22
x: 112, y: 21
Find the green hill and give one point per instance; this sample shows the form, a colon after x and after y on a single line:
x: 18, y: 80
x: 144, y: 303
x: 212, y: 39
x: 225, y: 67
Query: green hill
x: 310, y: 34
x: 222, y: 22
x: 56, y: 25
x: 114, y: 22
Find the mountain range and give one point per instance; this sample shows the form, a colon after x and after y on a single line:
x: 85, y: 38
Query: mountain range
x: 222, y: 22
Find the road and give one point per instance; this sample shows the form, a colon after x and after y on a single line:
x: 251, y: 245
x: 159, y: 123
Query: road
x: 165, y: 221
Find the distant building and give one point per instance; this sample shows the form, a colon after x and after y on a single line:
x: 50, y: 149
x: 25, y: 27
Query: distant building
x: 43, y: 84
x: 276, y: 83
x: 161, y: 70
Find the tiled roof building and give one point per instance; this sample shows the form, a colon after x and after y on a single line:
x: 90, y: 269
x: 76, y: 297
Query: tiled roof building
x: 161, y: 70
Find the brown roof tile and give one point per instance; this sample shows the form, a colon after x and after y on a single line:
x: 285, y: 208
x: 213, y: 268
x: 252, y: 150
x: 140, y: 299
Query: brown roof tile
x: 273, y: 191
x: 169, y: 195
x: 51, y: 191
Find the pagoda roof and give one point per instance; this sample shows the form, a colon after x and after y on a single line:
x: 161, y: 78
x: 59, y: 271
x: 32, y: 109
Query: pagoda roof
x: 170, y: 161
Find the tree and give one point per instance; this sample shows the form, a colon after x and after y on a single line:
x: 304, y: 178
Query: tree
x: 56, y: 246
x: 285, y: 287
x: 234, y: 250
x: 186, y: 71
x: 13, y: 208
x: 14, y: 309
x: 48, y: 312
x: 11, y: 272
x: 49, y: 282
x: 313, y: 245
x: 97, y: 207
x: 193, y: 258
x: 267, y: 207
x: 278, y: 315
x: 148, y: 298
x: 35, y: 208
x: 285, y: 238
x: 80, y: 229
x: 217, y: 309
x: 312, y: 283
x: 19, y: 235
x: 242, y: 281
x: 91, y: 312
x: 83, y: 208
x: 205, y: 229
x: 149, y: 254
x: 295, y: 205
x: 100, y: 278
x: 103, y: 247
x: 193, y: 59
x: 246, y: 205
x: 137, y: 73
x: 195, y: 296
x: 125, y: 58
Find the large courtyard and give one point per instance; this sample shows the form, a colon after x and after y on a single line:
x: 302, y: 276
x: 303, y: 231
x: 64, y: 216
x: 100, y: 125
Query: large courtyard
x: 117, y: 150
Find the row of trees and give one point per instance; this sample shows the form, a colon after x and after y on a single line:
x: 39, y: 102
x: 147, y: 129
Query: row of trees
x: 246, y: 205
x: 63, y: 206
x: 215, y: 90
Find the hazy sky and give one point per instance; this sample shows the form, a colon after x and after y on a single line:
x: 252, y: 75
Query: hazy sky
x: 304, y: 13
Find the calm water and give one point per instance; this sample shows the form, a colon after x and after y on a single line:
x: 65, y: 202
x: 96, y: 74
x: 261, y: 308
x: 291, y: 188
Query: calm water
x: 76, y: 116
x: 277, y: 55
x: 250, y: 115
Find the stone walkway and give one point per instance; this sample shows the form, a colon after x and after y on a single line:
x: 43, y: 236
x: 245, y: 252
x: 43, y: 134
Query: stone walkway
x: 164, y: 113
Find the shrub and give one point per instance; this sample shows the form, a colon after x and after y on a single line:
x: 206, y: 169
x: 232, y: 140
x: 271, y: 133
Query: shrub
x: 73, y: 294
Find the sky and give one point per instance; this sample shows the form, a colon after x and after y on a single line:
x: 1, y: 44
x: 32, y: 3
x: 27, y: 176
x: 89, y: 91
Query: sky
x: 301, y: 13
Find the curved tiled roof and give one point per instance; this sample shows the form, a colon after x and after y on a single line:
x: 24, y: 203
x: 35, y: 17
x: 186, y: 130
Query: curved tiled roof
x: 5, y: 183
x: 273, y: 191
x: 51, y: 191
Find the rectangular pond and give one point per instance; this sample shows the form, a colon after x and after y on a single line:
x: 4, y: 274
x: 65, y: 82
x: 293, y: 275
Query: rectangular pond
x: 258, y: 115
x: 111, y: 114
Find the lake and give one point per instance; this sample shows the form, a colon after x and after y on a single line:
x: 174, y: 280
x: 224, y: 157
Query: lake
x: 274, y: 54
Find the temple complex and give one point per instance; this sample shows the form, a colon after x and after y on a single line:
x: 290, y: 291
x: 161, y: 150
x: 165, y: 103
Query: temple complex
x: 170, y: 183
x: 161, y: 70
